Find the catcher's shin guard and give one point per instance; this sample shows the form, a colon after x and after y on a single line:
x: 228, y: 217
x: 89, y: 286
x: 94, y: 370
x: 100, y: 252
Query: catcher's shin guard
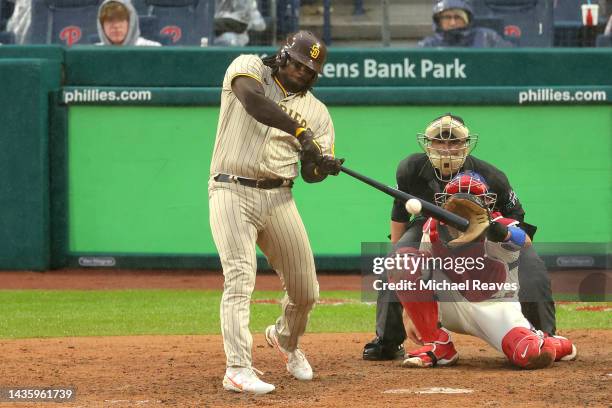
x: 528, y: 349
x: 424, y: 316
x: 440, y: 352
x: 564, y: 348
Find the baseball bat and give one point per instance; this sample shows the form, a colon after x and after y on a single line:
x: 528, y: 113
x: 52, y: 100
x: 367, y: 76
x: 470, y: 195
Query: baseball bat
x: 429, y: 209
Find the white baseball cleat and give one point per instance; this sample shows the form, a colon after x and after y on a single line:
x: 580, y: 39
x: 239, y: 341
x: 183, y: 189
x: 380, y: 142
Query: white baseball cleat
x: 242, y: 379
x: 297, y: 365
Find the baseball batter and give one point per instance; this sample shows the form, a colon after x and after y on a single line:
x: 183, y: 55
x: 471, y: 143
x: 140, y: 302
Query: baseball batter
x: 483, y: 301
x: 268, y: 123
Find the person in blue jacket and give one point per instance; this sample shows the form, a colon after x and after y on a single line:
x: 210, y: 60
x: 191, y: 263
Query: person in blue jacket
x: 453, y: 27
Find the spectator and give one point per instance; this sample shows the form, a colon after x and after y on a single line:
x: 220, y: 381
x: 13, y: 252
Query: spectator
x: 233, y: 20
x: 19, y: 23
x: 118, y: 25
x: 453, y: 26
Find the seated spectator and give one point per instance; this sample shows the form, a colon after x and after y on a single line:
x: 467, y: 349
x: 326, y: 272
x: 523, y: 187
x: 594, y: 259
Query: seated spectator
x: 118, y: 25
x: 233, y: 18
x: 453, y: 26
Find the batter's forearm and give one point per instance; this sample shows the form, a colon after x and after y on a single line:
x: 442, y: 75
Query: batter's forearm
x: 266, y: 111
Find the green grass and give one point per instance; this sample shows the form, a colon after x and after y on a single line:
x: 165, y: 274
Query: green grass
x: 37, y: 313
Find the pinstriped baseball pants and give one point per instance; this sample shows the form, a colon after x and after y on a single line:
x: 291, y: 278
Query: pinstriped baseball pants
x: 240, y: 218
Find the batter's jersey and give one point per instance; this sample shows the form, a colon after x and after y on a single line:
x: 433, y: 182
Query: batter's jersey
x: 247, y: 148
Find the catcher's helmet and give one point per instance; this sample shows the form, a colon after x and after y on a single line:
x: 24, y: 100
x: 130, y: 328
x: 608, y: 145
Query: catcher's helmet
x: 468, y: 183
x: 447, y: 141
x: 305, y: 48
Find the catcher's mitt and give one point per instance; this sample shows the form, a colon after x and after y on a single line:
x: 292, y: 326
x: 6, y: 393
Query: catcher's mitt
x: 472, y: 209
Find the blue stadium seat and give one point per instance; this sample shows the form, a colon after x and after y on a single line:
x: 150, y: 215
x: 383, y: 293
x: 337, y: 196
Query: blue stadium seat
x: 569, y: 31
x: 140, y: 6
x: 65, y: 22
x: 568, y: 10
x: 527, y: 23
x: 603, y: 41
x: 6, y: 9
x: 185, y: 22
x: 7, y: 37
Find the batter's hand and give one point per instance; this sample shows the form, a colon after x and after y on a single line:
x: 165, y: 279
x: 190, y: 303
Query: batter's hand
x: 311, y: 151
x: 328, y: 165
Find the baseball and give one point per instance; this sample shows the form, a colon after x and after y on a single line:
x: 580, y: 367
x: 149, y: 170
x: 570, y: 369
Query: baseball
x: 413, y: 206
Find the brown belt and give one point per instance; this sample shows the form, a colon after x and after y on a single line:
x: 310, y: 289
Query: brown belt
x: 265, y: 184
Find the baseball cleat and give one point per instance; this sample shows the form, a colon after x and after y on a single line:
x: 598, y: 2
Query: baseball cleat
x: 297, y: 365
x: 379, y: 350
x: 242, y: 379
x: 565, y: 349
x: 439, y: 353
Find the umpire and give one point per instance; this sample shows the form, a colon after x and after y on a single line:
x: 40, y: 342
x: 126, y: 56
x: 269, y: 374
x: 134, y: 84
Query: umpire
x: 447, y: 144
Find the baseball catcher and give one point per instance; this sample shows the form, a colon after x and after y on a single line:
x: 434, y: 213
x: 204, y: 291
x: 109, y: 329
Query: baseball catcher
x: 479, y: 297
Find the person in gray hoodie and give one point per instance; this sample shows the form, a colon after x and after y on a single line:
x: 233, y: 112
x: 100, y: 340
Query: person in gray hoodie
x: 118, y: 25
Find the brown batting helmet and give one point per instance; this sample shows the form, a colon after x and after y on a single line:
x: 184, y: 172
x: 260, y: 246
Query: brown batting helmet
x: 306, y: 49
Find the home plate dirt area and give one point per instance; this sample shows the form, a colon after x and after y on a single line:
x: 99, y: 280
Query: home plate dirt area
x: 187, y: 370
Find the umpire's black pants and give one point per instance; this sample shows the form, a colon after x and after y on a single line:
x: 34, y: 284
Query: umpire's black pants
x: 535, y: 293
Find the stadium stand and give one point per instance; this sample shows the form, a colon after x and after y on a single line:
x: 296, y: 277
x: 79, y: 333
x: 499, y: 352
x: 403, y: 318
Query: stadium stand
x: 568, y: 28
x: 65, y: 22
x: 267, y: 8
x: 184, y: 22
x: 7, y: 37
x: 528, y: 23
x: 6, y: 9
x: 603, y: 40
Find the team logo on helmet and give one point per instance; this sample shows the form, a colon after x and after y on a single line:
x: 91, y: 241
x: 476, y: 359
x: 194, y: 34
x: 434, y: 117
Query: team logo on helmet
x: 315, y: 51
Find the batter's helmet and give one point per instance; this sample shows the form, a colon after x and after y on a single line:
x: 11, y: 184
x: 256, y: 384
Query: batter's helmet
x: 454, y: 143
x: 305, y: 48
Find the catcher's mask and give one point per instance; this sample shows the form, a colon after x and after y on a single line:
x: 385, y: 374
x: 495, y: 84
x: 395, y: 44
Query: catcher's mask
x: 447, y: 142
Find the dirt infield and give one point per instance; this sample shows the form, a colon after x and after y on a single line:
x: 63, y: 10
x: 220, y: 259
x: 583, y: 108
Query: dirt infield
x: 187, y: 370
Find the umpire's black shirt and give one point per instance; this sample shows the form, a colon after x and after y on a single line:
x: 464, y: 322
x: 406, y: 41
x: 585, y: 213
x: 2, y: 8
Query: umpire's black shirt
x: 416, y: 175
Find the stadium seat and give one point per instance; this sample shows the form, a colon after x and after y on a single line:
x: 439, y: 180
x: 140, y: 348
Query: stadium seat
x: 185, y: 22
x: 528, y: 23
x: 603, y: 41
x: 140, y: 6
x: 65, y: 22
x: 7, y: 37
x: 568, y: 10
x: 6, y: 9
x: 267, y: 8
x: 568, y: 28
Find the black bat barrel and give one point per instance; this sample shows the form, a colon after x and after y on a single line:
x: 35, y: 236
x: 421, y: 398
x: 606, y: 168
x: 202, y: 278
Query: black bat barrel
x: 429, y: 209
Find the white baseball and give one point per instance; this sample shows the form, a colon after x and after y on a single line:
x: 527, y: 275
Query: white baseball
x: 413, y: 206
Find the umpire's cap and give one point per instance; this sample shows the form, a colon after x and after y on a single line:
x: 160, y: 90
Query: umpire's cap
x: 307, y: 49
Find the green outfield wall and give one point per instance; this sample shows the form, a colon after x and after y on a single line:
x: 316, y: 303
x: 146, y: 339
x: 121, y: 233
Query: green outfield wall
x: 151, y: 197
x: 106, y: 160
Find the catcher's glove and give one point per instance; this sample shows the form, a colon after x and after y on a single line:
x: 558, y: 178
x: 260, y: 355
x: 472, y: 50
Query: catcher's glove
x: 472, y: 209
